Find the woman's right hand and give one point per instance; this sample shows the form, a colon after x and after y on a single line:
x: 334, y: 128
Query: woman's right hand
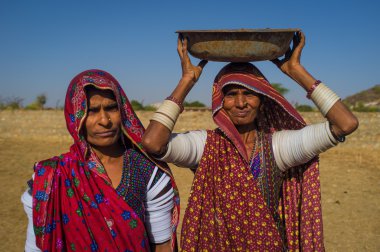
x: 190, y: 72
x: 292, y: 59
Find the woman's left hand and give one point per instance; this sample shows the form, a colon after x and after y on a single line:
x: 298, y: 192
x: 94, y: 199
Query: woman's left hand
x: 343, y: 121
x: 292, y: 60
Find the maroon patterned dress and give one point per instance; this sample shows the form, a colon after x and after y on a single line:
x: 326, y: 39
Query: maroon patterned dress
x: 242, y: 204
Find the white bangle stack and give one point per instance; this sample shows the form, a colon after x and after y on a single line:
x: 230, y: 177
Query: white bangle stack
x: 324, y: 98
x: 167, y: 114
x: 159, y: 208
x: 295, y: 147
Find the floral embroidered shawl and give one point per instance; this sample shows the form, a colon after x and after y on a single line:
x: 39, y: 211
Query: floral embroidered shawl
x: 75, y: 207
x: 226, y: 209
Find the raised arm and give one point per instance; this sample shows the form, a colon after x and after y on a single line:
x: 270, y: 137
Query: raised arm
x: 343, y: 122
x: 157, y: 134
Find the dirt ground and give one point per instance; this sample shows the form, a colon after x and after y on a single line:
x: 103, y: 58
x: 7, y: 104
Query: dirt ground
x: 350, y: 175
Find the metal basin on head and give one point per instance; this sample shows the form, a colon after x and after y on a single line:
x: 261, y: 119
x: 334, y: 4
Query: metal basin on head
x: 242, y: 45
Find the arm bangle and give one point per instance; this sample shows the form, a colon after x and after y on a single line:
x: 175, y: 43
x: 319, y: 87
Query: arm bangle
x: 324, y: 98
x: 167, y: 114
x: 164, y: 120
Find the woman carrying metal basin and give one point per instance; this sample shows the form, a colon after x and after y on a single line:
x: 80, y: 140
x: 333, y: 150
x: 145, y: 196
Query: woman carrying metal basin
x: 256, y: 184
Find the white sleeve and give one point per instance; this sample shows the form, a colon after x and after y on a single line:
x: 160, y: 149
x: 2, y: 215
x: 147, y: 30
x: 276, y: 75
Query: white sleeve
x: 185, y: 149
x: 158, y: 213
x: 30, y: 243
x: 295, y: 147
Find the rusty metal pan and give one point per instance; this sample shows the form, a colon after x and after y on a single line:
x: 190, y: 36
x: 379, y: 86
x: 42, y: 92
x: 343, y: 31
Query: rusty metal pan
x: 241, y: 45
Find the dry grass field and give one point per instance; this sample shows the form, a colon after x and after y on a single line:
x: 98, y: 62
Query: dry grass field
x: 350, y: 175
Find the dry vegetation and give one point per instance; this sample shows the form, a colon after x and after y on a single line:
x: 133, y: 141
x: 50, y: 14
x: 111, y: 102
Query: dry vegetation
x: 350, y: 174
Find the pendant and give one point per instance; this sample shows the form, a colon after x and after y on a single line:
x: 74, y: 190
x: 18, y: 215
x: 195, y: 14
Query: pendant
x: 255, y: 166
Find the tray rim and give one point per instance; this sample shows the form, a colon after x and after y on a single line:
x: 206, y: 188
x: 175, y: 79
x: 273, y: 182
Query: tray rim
x: 263, y: 30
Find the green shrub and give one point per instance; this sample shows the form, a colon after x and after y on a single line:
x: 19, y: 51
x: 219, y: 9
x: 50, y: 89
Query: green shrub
x: 137, y: 105
x: 38, y: 103
x: 304, y: 108
x: 150, y: 108
x: 11, y: 103
x: 32, y: 106
x: 278, y: 86
x: 362, y: 108
x: 197, y: 104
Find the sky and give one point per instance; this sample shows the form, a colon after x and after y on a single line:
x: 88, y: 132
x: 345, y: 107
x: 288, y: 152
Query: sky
x: 44, y: 44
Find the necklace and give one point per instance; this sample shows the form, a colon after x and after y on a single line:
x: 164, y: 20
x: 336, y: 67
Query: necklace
x: 255, y: 160
x: 253, y: 152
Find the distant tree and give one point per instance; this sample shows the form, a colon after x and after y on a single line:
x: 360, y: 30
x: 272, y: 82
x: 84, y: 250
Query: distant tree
x: 137, y: 105
x: 197, y: 104
x: 38, y: 103
x: 304, y: 108
x: 41, y: 100
x: 278, y: 86
x: 2, y: 103
x: 11, y: 102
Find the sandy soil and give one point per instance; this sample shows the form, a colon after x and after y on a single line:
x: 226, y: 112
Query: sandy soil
x: 350, y: 175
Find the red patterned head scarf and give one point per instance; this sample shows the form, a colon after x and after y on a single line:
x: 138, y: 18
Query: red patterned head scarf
x: 276, y: 113
x: 75, y: 206
x: 223, y: 180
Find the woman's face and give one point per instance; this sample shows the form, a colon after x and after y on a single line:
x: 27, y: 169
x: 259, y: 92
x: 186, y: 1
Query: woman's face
x: 241, y: 105
x: 103, y: 121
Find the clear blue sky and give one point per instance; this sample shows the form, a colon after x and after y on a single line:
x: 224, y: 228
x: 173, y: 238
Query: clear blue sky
x: 44, y: 44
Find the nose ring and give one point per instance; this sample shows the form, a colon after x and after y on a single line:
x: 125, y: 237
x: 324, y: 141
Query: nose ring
x: 109, y: 119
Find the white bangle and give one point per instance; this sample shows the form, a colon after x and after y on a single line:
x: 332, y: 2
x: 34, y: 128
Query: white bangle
x: 164, y: 120
x: 170, y: 108
x: 167, y: 114
x: 324, y: 98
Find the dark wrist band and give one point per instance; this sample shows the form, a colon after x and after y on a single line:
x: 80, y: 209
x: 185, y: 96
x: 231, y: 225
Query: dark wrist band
x: 340, y: 139
x: 176, y: 101
x: 316, y: 83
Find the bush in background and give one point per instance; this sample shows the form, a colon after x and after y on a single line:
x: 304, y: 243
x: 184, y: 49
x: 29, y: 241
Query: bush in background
x: 136, y: 105
x: 304, y: 108
x: 38, y: 103
x: 281, y: 89
x: 197, y: 104
x: 360, y: 107
x: 11, y: 103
